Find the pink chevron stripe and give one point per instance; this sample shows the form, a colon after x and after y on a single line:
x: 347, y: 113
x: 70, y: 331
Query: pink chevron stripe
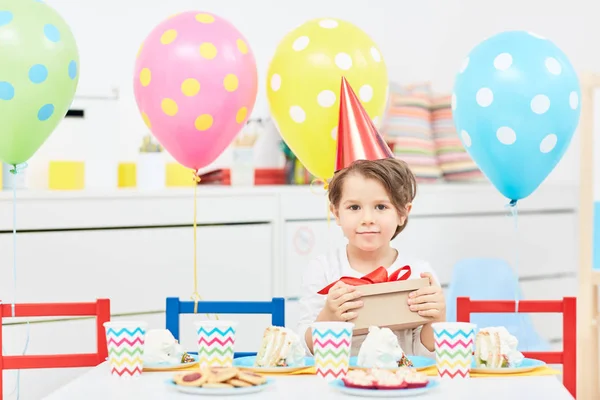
x: 463, y: 374
x: 137, y: 340
x: 127, y: 371
x: 455, y: 344
x: 332, y: 373
x: 229, y: 340
x: 337, y: 345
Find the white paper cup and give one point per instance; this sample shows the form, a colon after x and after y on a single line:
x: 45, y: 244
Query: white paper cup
x: 216, y: 342
x: 125, y: 341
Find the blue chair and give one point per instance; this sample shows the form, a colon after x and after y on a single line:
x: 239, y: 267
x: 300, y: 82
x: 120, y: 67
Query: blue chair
x: 492, y: 279
x: 176, y: 307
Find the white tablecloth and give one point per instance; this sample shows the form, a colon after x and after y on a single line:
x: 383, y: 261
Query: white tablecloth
x: 98, y: 384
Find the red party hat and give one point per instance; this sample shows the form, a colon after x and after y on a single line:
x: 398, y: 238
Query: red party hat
x: 358, y: 138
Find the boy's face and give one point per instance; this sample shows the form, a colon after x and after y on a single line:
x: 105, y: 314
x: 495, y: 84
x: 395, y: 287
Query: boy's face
x: 366, y: 213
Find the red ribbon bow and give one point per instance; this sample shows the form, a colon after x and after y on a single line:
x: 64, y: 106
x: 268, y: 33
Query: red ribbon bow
x: 380, y: 275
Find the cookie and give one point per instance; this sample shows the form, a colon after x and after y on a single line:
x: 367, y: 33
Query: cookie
x: 217, y: 385
x: 239, y: 383
x: 191, y: 379
x: 252, y: 378
x: 222, y: 374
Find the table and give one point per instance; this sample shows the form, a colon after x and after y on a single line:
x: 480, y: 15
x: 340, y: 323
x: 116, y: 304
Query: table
x: 99, y: 384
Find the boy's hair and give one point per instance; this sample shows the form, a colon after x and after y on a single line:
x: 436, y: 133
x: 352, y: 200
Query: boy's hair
x: 394, y: 174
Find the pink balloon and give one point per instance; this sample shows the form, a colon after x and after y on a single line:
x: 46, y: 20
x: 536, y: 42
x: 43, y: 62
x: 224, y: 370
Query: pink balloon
x: 195, y: 85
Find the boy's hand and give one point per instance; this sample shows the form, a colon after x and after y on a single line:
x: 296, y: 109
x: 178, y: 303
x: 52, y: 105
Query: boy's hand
x: 341, y: 301
x: 429, y: 301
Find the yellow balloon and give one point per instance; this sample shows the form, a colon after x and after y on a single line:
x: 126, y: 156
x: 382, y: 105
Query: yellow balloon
x: 304, y: 81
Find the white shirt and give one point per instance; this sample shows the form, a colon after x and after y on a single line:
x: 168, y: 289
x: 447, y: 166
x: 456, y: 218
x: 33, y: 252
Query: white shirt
x: 331, y: 267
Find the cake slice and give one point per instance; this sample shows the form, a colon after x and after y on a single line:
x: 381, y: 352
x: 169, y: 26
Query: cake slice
x: 280, y: 347
x: 495, y: 347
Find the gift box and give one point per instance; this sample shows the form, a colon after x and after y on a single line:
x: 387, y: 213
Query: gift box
x: 385, y: 300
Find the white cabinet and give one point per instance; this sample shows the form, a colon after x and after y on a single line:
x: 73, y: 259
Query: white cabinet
x: 543, y: 245
x: 138, y: 268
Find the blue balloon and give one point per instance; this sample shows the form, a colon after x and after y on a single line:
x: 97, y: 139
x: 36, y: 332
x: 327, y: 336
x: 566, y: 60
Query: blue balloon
x: 516, y: 105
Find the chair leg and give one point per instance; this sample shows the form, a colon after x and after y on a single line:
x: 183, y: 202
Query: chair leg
x: 172, y: 316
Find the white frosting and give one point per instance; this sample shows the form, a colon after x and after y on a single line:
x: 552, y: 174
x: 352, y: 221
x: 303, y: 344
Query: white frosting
x: 293, y: 350
x: 508, y: 345
x: 161, y: 347
x: 380, y: 349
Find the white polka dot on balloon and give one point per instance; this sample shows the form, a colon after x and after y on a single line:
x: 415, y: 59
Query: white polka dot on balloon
x: 453, y: 102
x: 506, y: 135
x: 326, y: 98
x: 464, y: 65
x: 343, y: 61
x: 548, y: 143
x: 535, y: 35
x: 375, y: 54
x: 328, y: 23
x: 297, y: 113
x: 573, y: 100
x: 365, y: 93
x: 275, y: 82
x: 540, y: 104
x: 553, y: 66
x: 301, y: 43
x: 484, y: 97
x: 334, y: 133
x: 503, y: 61
x: 466, y: 138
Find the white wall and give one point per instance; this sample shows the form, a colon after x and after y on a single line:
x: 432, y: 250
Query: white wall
x: 420, y: 40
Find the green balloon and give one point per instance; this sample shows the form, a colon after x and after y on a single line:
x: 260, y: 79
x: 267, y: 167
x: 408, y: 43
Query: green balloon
x: 39, y: 73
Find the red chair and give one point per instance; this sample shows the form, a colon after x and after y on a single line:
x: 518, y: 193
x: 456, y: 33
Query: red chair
x: 100, y: 309
x: 567, y: 306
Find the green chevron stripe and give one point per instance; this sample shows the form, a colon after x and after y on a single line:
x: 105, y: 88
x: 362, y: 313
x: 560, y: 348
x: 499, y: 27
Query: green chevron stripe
x: 331, y: 352
x: 228, y: 350
x: 137, y: 350
x: 453, y: 353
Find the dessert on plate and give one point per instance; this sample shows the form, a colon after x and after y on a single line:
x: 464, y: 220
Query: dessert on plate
x: 219, y: 377
x: 280, y: 347
x: 160, y: 347
x: 384, y: 379
x: 381, y: 349
x: 495, y: 347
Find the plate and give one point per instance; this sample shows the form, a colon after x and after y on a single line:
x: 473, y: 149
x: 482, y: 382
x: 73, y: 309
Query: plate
x: 198, y: 391
x: 247, y: 363
x: 383, y: 393
x: 527, y: 365
x: 165, y: 366
x: 419, y: 363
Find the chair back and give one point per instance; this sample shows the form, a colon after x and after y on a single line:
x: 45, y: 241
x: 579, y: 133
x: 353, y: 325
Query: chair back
x: 175, y: 307
x: 493, y: 279
x: 99, y: 309
x: 567, y: 307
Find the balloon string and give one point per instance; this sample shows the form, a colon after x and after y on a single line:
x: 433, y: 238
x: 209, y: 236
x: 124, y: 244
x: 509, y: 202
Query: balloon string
x: 14, y: 171
x: 195, y: 295
x: 521, y: 318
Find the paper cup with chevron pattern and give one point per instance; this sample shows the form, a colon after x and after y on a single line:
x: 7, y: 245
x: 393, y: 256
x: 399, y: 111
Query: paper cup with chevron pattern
x: 331, y: 348
x: 453, y: 349
x: 216, y: 342
x: 125, y: 341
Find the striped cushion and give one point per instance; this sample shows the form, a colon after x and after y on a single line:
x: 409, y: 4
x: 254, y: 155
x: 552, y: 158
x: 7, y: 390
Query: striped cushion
x: 407, y: 128
x: 454, y: 161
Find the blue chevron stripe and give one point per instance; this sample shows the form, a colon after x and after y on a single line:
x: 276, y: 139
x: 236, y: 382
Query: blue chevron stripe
x: 462, y: 333
x: 216, y: 330
x: 329, y: 332
x: 126, y: 331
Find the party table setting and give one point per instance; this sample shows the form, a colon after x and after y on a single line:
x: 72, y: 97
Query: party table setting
x: 150, y: 364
